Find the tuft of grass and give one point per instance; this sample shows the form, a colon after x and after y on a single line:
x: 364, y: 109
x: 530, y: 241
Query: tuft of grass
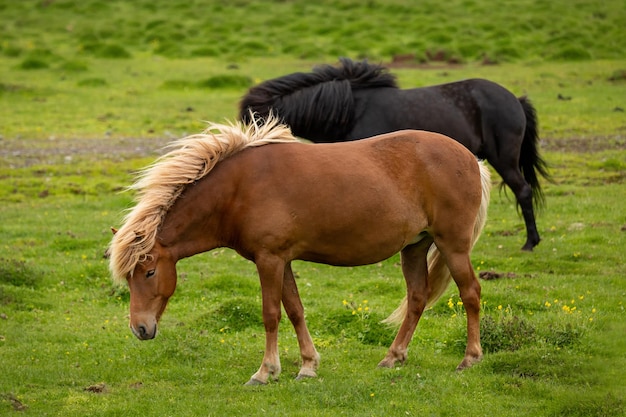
x: 169, y: 49
x: 92, y: 82
x: 206, y: 51
x: 12, y: 51
x: 19, y: 273
x: 106, y: 50
x: 356, y: 321
x: 33, y: 64
x: 226, y: 81
x: 572, y: 53
x: 112, y: 51
x: 508, y: 333
x: 234, y: 314
x: 74, y: 66
x: 216, y: 82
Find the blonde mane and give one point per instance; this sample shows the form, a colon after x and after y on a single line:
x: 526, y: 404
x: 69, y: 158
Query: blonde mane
x: 160, y: 184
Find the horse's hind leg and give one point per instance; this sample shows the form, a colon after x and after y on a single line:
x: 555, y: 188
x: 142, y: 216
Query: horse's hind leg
x: 415, y: 270
x: 295, y: 312
x: 512, y: 176
x: 505, y: 159
x: 469, y: 289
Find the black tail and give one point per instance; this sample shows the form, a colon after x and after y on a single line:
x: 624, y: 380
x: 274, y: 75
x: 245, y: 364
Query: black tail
x: 531, y: 164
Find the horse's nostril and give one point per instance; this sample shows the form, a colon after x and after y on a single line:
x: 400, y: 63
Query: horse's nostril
x: 143, y: 332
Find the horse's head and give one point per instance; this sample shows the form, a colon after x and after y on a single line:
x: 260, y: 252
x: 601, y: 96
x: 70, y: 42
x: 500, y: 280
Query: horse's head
x: 151, y: 284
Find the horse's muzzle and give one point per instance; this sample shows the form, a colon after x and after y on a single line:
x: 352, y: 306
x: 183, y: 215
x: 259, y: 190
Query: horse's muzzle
x: 144, y: 332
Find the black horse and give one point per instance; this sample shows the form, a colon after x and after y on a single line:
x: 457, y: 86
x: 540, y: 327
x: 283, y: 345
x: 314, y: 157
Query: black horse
x: 357, y: 100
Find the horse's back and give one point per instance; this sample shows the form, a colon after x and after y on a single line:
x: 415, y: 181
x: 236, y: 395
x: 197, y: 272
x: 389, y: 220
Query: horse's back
x: 459, y: 110
x: 403, y: 160
x: 391, y: 156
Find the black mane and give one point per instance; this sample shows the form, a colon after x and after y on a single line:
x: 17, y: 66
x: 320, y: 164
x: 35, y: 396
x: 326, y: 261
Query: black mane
x: 361, y: 74
x: 316, y: 105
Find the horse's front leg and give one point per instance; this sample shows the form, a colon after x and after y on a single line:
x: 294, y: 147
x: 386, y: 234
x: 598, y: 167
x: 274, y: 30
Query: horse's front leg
x: 295, y: 311
x: 271, y: 271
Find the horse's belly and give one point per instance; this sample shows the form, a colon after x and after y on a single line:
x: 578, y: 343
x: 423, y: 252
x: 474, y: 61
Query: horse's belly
x: 358, y: 246
x: 349, y: 257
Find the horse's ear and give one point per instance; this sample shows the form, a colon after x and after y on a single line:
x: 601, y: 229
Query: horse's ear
x: 114, y: 230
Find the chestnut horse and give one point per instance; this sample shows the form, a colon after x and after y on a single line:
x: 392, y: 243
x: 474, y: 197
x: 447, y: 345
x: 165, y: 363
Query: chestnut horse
x: 343, y: 204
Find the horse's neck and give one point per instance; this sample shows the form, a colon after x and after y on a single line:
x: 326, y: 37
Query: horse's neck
x: 189, y: 228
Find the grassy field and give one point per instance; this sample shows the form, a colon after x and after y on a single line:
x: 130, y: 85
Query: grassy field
x: 460, y: 30
x: 89, y: 93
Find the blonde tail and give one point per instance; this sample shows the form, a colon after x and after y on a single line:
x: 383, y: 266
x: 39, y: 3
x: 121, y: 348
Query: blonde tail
x: 438, y: 273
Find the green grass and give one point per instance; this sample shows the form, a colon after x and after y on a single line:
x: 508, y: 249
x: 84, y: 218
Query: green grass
x: 91, y: 90
x: 159, y: 98
x: 66, y: 328
x: 459, y: 29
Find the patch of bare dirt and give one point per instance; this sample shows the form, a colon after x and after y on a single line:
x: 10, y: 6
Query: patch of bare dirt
x: 490, y: 275
x: 136, y: 385
x: 16, y: 403
x: 433, y: 59
x: 98, y: 388
x: 21, y: 153
x: 585, y: 145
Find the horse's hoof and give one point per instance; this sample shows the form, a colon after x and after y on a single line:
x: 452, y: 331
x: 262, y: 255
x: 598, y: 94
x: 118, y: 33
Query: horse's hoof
x: 468, y: 362
x: 529, y: 246
x: 254, y: 382
x: 306, y: 375
x: 386, y: 364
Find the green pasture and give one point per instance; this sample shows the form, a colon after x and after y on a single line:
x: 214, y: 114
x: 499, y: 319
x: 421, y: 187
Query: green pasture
x: 91, y: 91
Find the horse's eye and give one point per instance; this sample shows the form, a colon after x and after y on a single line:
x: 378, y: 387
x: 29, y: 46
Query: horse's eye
x: 150, y: 273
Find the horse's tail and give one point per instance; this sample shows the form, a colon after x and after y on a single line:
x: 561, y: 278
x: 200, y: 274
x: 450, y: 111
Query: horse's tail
x: 530, y: 163
x: 439, y: 276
